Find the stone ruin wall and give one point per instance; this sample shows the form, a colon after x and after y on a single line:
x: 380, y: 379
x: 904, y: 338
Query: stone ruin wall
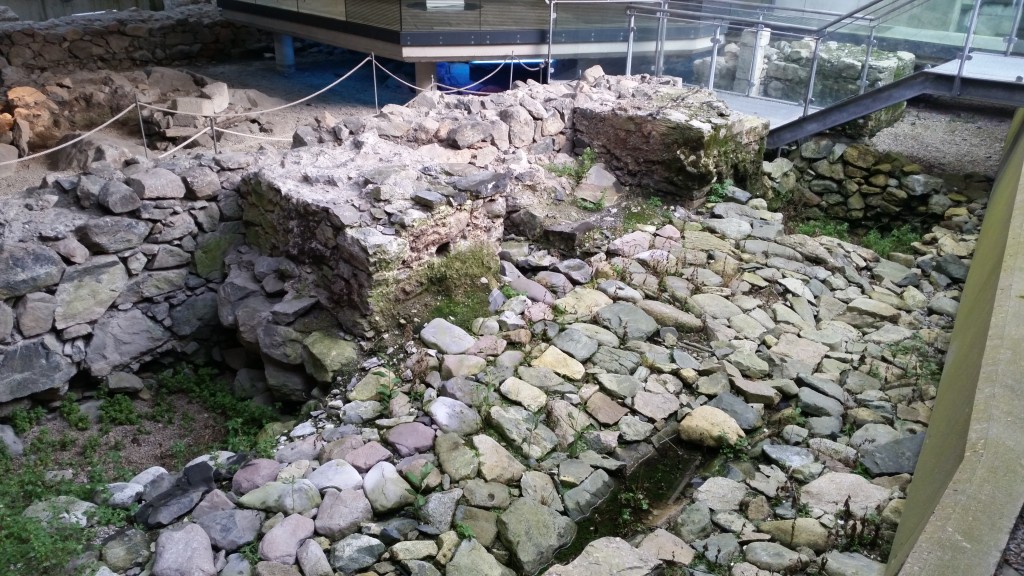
x: 125, y: 263
x: 122, y: 40
x: 272, y: 259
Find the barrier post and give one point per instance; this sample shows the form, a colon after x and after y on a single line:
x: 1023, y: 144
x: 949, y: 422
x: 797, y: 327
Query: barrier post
x: 142, y: 127
x: 213, y: 132
x: 373, y: 61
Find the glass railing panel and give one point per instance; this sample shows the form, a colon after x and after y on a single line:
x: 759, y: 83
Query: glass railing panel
x: 379, y: 13
x: 440, y: 15
x: 645, y: 45
x: 513, y: 14
x: 997, y: 24
x: 685, y: 42
x: 585, y: 34
x: 328, y: 8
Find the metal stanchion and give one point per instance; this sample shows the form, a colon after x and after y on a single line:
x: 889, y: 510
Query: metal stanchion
x: 867, y: 62
x: 213, y: 132
x: 968, y: 42
x: 373, y: 62
x: 551, y: 36
x: 629, y: 44
x: 713, y: 67
x: 142, y: 126
x: 814, y: 72
x: 1011, y: 40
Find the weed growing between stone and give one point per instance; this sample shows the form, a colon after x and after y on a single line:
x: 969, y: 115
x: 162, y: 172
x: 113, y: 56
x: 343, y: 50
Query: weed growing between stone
x: 243, y: 420
x: 899, y: 239
x: 883, y: 242
x: 458, y: 283
x: 719, y: 191
x: 577, y: 170
x: 590, y: 206
x: 650, y: 212
x: 837, y: 229
x: 28, y: 545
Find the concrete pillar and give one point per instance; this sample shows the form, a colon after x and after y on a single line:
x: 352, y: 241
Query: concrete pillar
x: 425, y: 72
x: 284, y: 53
x: 751, y: 66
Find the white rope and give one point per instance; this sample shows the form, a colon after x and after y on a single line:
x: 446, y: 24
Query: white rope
x: 523, y: 64
x: 258, y: 112
x: 414, y: 87
x: 454, y: 90
x: 66, y: 144
x: 253, y: 135
x: 484, y: 79
x: 185, y: 143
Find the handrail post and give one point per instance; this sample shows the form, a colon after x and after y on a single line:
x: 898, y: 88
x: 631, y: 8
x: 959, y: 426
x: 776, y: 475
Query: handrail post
x: 867, y: 62
x: 659, y: 53
x: 511, y: 69
x: 1012, y: 38
x: 629, y: 43
x: 965, y: 55
x: 715, y: 41
x: 142, y: 126
x: 373, y: 63
x: 809, y: 97
x: 551, y: 35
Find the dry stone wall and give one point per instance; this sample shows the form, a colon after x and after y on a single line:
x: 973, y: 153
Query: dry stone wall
x: 123, y: 40
x: 858, y: 183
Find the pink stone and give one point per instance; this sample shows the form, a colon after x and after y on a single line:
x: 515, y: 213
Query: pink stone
x: 367, y: 456
x: 411, y: 438
x: 282, y: 542
x: 604, y: 409
x: 488, y: 346
x: 254, y: 474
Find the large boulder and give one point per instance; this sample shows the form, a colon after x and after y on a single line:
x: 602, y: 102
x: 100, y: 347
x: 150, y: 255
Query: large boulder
x: 32, y: 366
x: 533, y: 533
x: 121, y: 338
x: 88, y: 290
x: 27, y: 268
x: 184, y: 552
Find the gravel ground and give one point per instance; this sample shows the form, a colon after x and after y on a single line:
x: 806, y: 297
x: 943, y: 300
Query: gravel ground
x: 949, y: 137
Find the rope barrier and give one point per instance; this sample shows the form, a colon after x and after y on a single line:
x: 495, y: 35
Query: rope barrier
x: 484, y: 79
x: 523, y: 64
x: 185, y: 143
x: 275, y: 109
x: 413, y: 86
x: 453, y: 90
x: 226, y: 131
x: 76, y: 140
x: 214, y: 117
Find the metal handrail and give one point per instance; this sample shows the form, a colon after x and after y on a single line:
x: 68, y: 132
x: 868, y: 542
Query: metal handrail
x: 873, y: 14
x: 694, y: 16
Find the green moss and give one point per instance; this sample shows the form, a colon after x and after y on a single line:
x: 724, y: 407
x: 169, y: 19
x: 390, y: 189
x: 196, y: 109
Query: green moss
x: 210, y: 253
